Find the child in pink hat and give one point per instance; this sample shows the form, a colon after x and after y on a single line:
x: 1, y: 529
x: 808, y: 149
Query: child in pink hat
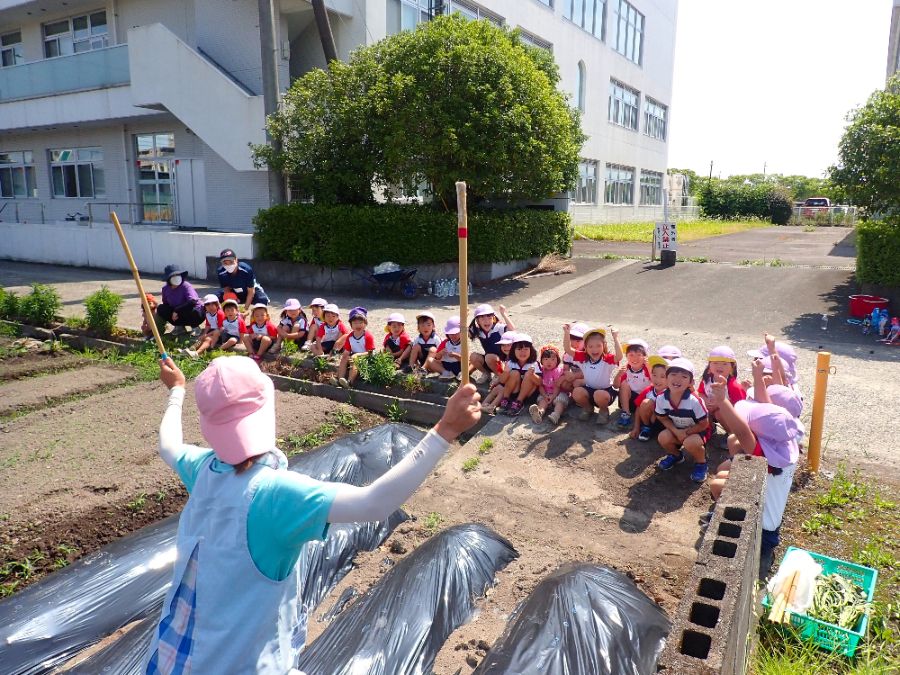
x: 248, y: 518
x: 492, y: 400
x: 487, y: 327
x: 293, y: 326
x: 396, y: 339
x: 446, y: 358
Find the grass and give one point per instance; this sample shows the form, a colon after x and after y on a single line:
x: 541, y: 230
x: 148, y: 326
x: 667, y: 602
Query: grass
x: 10, y: 330
x: 471, y: 464
x: 432, y: 522
x: 395, y: 412
x: 772, y: 262
x: 687, y: 231
x: 138, y: 504
x: 345, y: 417
x: 297, y: 443
x: 146, y: 361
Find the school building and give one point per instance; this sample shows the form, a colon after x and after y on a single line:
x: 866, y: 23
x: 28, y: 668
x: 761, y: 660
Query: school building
x: 147, y: 108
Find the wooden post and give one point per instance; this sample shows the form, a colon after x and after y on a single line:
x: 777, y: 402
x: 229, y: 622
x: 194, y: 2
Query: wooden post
x: 823, y: 361
x: 462, y: 233
x: 148, y: 313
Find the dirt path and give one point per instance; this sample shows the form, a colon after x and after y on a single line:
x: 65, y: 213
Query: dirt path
x: 31, y: 392
x: 565, y: 496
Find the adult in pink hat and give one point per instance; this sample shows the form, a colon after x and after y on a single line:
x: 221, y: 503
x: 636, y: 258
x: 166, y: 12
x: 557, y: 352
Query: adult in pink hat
x: 488, y: 328
x: 232, y: 605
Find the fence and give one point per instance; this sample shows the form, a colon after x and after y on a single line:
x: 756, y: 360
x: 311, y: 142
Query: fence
x: 25, y: 211
x: 824, y: 215
x: 588, y: 214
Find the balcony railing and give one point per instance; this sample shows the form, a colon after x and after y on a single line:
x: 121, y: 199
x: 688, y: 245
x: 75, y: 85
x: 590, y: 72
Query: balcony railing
x: 96, y: 69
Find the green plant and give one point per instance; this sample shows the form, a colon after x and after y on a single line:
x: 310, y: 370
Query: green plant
x: 161, y: 496
x: 9, y: 304
x: 377, y: 368
x: 137, y: 505
x: 59, y: 563
x: 876, y: 553
x: 485, y: 446
x: 777, y: 262
x: 289, y: 348
x: 395, y: 413
x: 41, y: 306
x: 102, y: 309
x: 346, y: 418
x: 878, y: 251
x: 412, y: 383
x: 406, y: 234
x: 821, y: 521
x: 9, y: 330
x: 883, y: 504
x: 320, y: 364
x: 471, y: 464
x: 65, y: 549
x: 432, y: 522
x: 312, y: 439
x: 732, y: 198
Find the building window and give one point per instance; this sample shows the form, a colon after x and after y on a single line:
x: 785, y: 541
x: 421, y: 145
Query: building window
x: 17, y: 175
x: 77, y: 172
x: 588, y: 14
x: 655, y: 119
x: 629, y: 31
x: 651, y: 188
x: 549, y: 3
x: 78, y: 34
x: 585, y: 191
x: 11, y: 49
x: 619, y: 184
x: 580, y: 91
x: 413, y: 12
x: 534, y: 40
x: 623, y: 105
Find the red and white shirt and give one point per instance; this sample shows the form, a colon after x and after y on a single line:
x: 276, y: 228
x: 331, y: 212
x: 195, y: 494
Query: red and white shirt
x: 735, y: 392
x: 234, y: 328
x: 331, y: 333
x: 358, y: 345
x: 637, y: 380
x: 268, y: 328
x: 288, y: 323
x: 396, y: 345
x: 214, y: 321
x: 448, y: 348
x: 427, y: 343
x: 512, y: 364
x: 648, y: 394
x: 597, y: 374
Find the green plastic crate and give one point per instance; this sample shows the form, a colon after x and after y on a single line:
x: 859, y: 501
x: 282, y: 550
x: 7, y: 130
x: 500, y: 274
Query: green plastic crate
x: 827, y: 635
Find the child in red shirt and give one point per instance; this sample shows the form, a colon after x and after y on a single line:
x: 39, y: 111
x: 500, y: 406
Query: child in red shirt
x: 354, y: 345
x: 261, y: 333
x: 212, y: 329
x: 396, y: 341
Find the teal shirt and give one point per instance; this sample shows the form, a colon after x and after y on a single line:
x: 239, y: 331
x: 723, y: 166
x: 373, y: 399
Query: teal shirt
x: 288, y: 510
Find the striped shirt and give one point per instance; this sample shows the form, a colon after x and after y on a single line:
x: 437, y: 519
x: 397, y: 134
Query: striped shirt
x: 687, y: 413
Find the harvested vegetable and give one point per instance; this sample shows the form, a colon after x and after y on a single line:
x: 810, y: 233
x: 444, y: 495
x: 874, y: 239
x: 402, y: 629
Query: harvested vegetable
x: 838, y: 600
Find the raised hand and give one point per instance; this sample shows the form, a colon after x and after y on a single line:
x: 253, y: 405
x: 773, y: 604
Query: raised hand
x: 170, y: 374
x: 462, y: 413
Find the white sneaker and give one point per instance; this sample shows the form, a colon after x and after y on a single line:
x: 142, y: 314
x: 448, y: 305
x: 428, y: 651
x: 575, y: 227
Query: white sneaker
x: 342, y: 382
x: 192, y: 353
x: 446, y: 375
x: 553, y: 418
x: 535, y: 412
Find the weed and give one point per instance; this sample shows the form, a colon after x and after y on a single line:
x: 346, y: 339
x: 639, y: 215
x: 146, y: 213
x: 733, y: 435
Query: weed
x: 297, y: 443
x: 8, y: 588
x: 809, y: 228
x: 432, y: 522
x: 395, y: 413
x: 883, y: 504
x: 377, y: 368
x: 857, y: 514
x: 289, y: 348
x: 146, y: 361
x: 695, y: 259
x: 612, y: 256
x: 9, y: 330
x: 161, y: 496
x: 471, y: 464
x: 65, y: 549
x: 843, y: 490
x: 41, y: 305
x: 78, y: 322
x: 346, y: 418
x: 821, y: 521
x: 876, y: 554
x: 138, y: 504
x: 59, y: 563
x: 320, y: 364
x: 9, y: 304
x: 485, y: 447
x: 746, y: 262
x: 777, y: 262
x: 412, y: 383
x: 102, y: 309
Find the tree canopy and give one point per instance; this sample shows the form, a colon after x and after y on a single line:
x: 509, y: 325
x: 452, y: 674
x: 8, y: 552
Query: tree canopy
x: 869, y: 152
x: 452, y: 100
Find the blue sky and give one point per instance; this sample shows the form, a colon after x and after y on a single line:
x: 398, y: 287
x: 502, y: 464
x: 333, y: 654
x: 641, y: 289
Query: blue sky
x: 771, y: 81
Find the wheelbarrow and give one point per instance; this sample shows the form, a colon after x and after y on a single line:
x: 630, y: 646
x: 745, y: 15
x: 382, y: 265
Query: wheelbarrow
x: 400, y: 281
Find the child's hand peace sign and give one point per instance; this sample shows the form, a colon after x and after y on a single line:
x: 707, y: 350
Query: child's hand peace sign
x: 718, y: 391
x: 757, y: 368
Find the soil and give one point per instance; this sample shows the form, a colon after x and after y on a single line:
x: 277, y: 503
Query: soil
x: 27, y: 365
x: 577, y: 494
x: 31, y: 392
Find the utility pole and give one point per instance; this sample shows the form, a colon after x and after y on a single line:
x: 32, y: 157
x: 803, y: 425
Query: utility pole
x: 764, y: 170
x: 271, y: 93
x: 709, y: 182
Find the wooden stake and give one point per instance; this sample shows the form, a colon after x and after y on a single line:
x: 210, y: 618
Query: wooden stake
x: 462, y: 233
x: 148, y: 313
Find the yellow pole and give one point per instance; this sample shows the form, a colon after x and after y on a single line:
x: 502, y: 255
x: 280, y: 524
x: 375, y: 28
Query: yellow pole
x: 462, y: 234
x: 137, y: 280
x: 823, y: 361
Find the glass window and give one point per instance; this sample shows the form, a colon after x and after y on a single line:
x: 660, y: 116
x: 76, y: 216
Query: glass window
x: 587, y: 14
x: 75, y: 35
x: 413, y: 12
x: 651, y: 188
x: 17, y: 179
x: 77, y: 172
x: 585, y: 191
x: 534, y: 41
x: 11, y: 49
x: 629, y: 25
x: 655, y: 115
x: 619, y: 184
x: 623, y: 105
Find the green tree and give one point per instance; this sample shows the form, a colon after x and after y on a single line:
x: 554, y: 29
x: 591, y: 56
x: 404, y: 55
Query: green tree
x: 452, y: 100
x: 869, y: 152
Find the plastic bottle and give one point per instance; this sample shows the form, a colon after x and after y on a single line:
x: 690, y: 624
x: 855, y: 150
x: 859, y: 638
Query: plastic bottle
x: 470, y: 288
x: 824, y: 322
x: 439, y: 288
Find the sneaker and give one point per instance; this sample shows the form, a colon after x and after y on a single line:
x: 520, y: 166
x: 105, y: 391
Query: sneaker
x: 585, y: 415
x: 536, y: 413
x: 514, y: 409
x: 698, y: 475
x: 503, y: 405
x: 646, y: 433
x: 149, y: 338
x: 192, y: 353
x: 332, y: 380
x: 602, y: 416
x: 446, y: 375
x: 669, y: 461
x: 624, y: 420
x: 342, y: 382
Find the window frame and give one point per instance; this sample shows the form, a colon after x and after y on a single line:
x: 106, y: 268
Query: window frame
x: 423, y: 11
x: 599, y: 9
x: 13, y: 48
x: 75, y: 175
x: 630, y: 41
x: 70, y: 35
x: 25, y: 167
x: 621, y: 112
x: 659, y: 124
x: 533, y: 40
x: 618, y: 191
x: 651, y: 187
x: 585, y: 191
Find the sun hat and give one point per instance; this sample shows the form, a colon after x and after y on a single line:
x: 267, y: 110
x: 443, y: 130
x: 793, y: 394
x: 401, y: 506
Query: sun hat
x: 636, y: 342
x: 656, y: 360
x: 210, y: 298
x: 776, y: 430
x: 425, y: 315
x: 680, y: 363
x: 396, y: 317
x: 483, y: 310
x: 578, y: 330
x: 452, y: 326
x: 237, y: 408
x: 593, y: 331
x: 721, y: 354
x: 669, y: 352
x: 523, y: 337
x: 787, y: 354
x: 257, y: 305
x: 173, y: 270
x: 507, y: 338
x: 230, y: 301
x: 331, y: 307
x: 292, y: 303
x: 226, y: 253
x: 359, y: 313
x: 318, y: 302
x: 786, y: 398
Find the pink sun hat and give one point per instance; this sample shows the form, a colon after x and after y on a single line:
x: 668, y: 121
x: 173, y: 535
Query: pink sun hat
x: 669, y: 352
x: 292, y: 303
x: 786, y: 398
x: 452, y: 326
x: 507, y: 338
x: 722, y: 354
x: 776, y: 430
x: 396, y: 317
x: 578, y: 330
x: 483, y: 310
x: 210, y: 299
x: 237, y: 408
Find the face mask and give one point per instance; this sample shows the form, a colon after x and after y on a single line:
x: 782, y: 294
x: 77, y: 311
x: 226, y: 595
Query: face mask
x: 175, y: 281
x: 231, y: 268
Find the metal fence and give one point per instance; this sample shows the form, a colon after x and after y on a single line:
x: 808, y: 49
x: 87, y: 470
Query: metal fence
x: 25, y: 211
x: 824, y: 215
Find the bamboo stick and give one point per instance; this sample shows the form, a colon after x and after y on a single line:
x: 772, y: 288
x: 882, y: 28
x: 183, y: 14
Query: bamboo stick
x: 462, y: 233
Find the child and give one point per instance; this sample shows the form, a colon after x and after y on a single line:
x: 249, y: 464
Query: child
x: 233, y: 326
x: 145, y: 325
x: 893, y: 335
x: 523, y: 377
x: 669, y: 352
x: 488, y: 328
x: 331, y: 329
x: 646, y: 426
x: 425, y: 343
x: 721, y: 361
x: 445, y: 359
x: 552, y: 371
x: 260, y: 334
x: 685, y: 420
x: 211, y: 330
x: 492, y: 400
x: 396, y: 340
x: 593, y: 385
x: 316, y: 310
x: 883, y: 323
x: 356, y: 344
x: 293, y: 325
x: 635, y: 379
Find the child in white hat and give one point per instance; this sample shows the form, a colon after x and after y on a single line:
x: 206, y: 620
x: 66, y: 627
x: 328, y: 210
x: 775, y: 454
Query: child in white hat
x: 445, y: 360
x: 293, y: 326
x: 330, y: 331
x: 396, y: 340
x: 212, y: 328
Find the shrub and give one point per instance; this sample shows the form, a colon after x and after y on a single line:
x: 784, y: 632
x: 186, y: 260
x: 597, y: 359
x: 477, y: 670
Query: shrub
x: 731, y: 200
x: 102, y: 309
x: 377, y: 368
x: 878, y: 251
x: 344, y: 235
x: 781, y: 206
x: 9, y: 304
x: 41, y: 306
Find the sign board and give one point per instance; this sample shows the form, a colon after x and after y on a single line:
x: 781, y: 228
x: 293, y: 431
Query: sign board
x: 666, y: 236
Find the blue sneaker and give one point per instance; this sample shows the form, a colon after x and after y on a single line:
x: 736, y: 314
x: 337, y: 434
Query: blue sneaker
x: 624, y: 420
x: 669, y: 461
x: 646, y: 433
x: 698, y: 475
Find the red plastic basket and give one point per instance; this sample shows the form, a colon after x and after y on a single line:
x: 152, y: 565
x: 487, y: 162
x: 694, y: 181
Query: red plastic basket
x: 862, y: 305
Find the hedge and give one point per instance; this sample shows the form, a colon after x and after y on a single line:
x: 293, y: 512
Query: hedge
x: 878, y: 251
x: 345, y: 235
x: 722, y: 199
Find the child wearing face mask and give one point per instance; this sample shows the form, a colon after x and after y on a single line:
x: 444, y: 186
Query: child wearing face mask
x: 180, y: 306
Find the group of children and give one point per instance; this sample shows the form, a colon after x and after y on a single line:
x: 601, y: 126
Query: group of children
x: 887, y: 331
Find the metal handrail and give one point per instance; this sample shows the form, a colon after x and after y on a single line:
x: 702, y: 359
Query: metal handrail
x: 26, y: 202
x: 133, y: 209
